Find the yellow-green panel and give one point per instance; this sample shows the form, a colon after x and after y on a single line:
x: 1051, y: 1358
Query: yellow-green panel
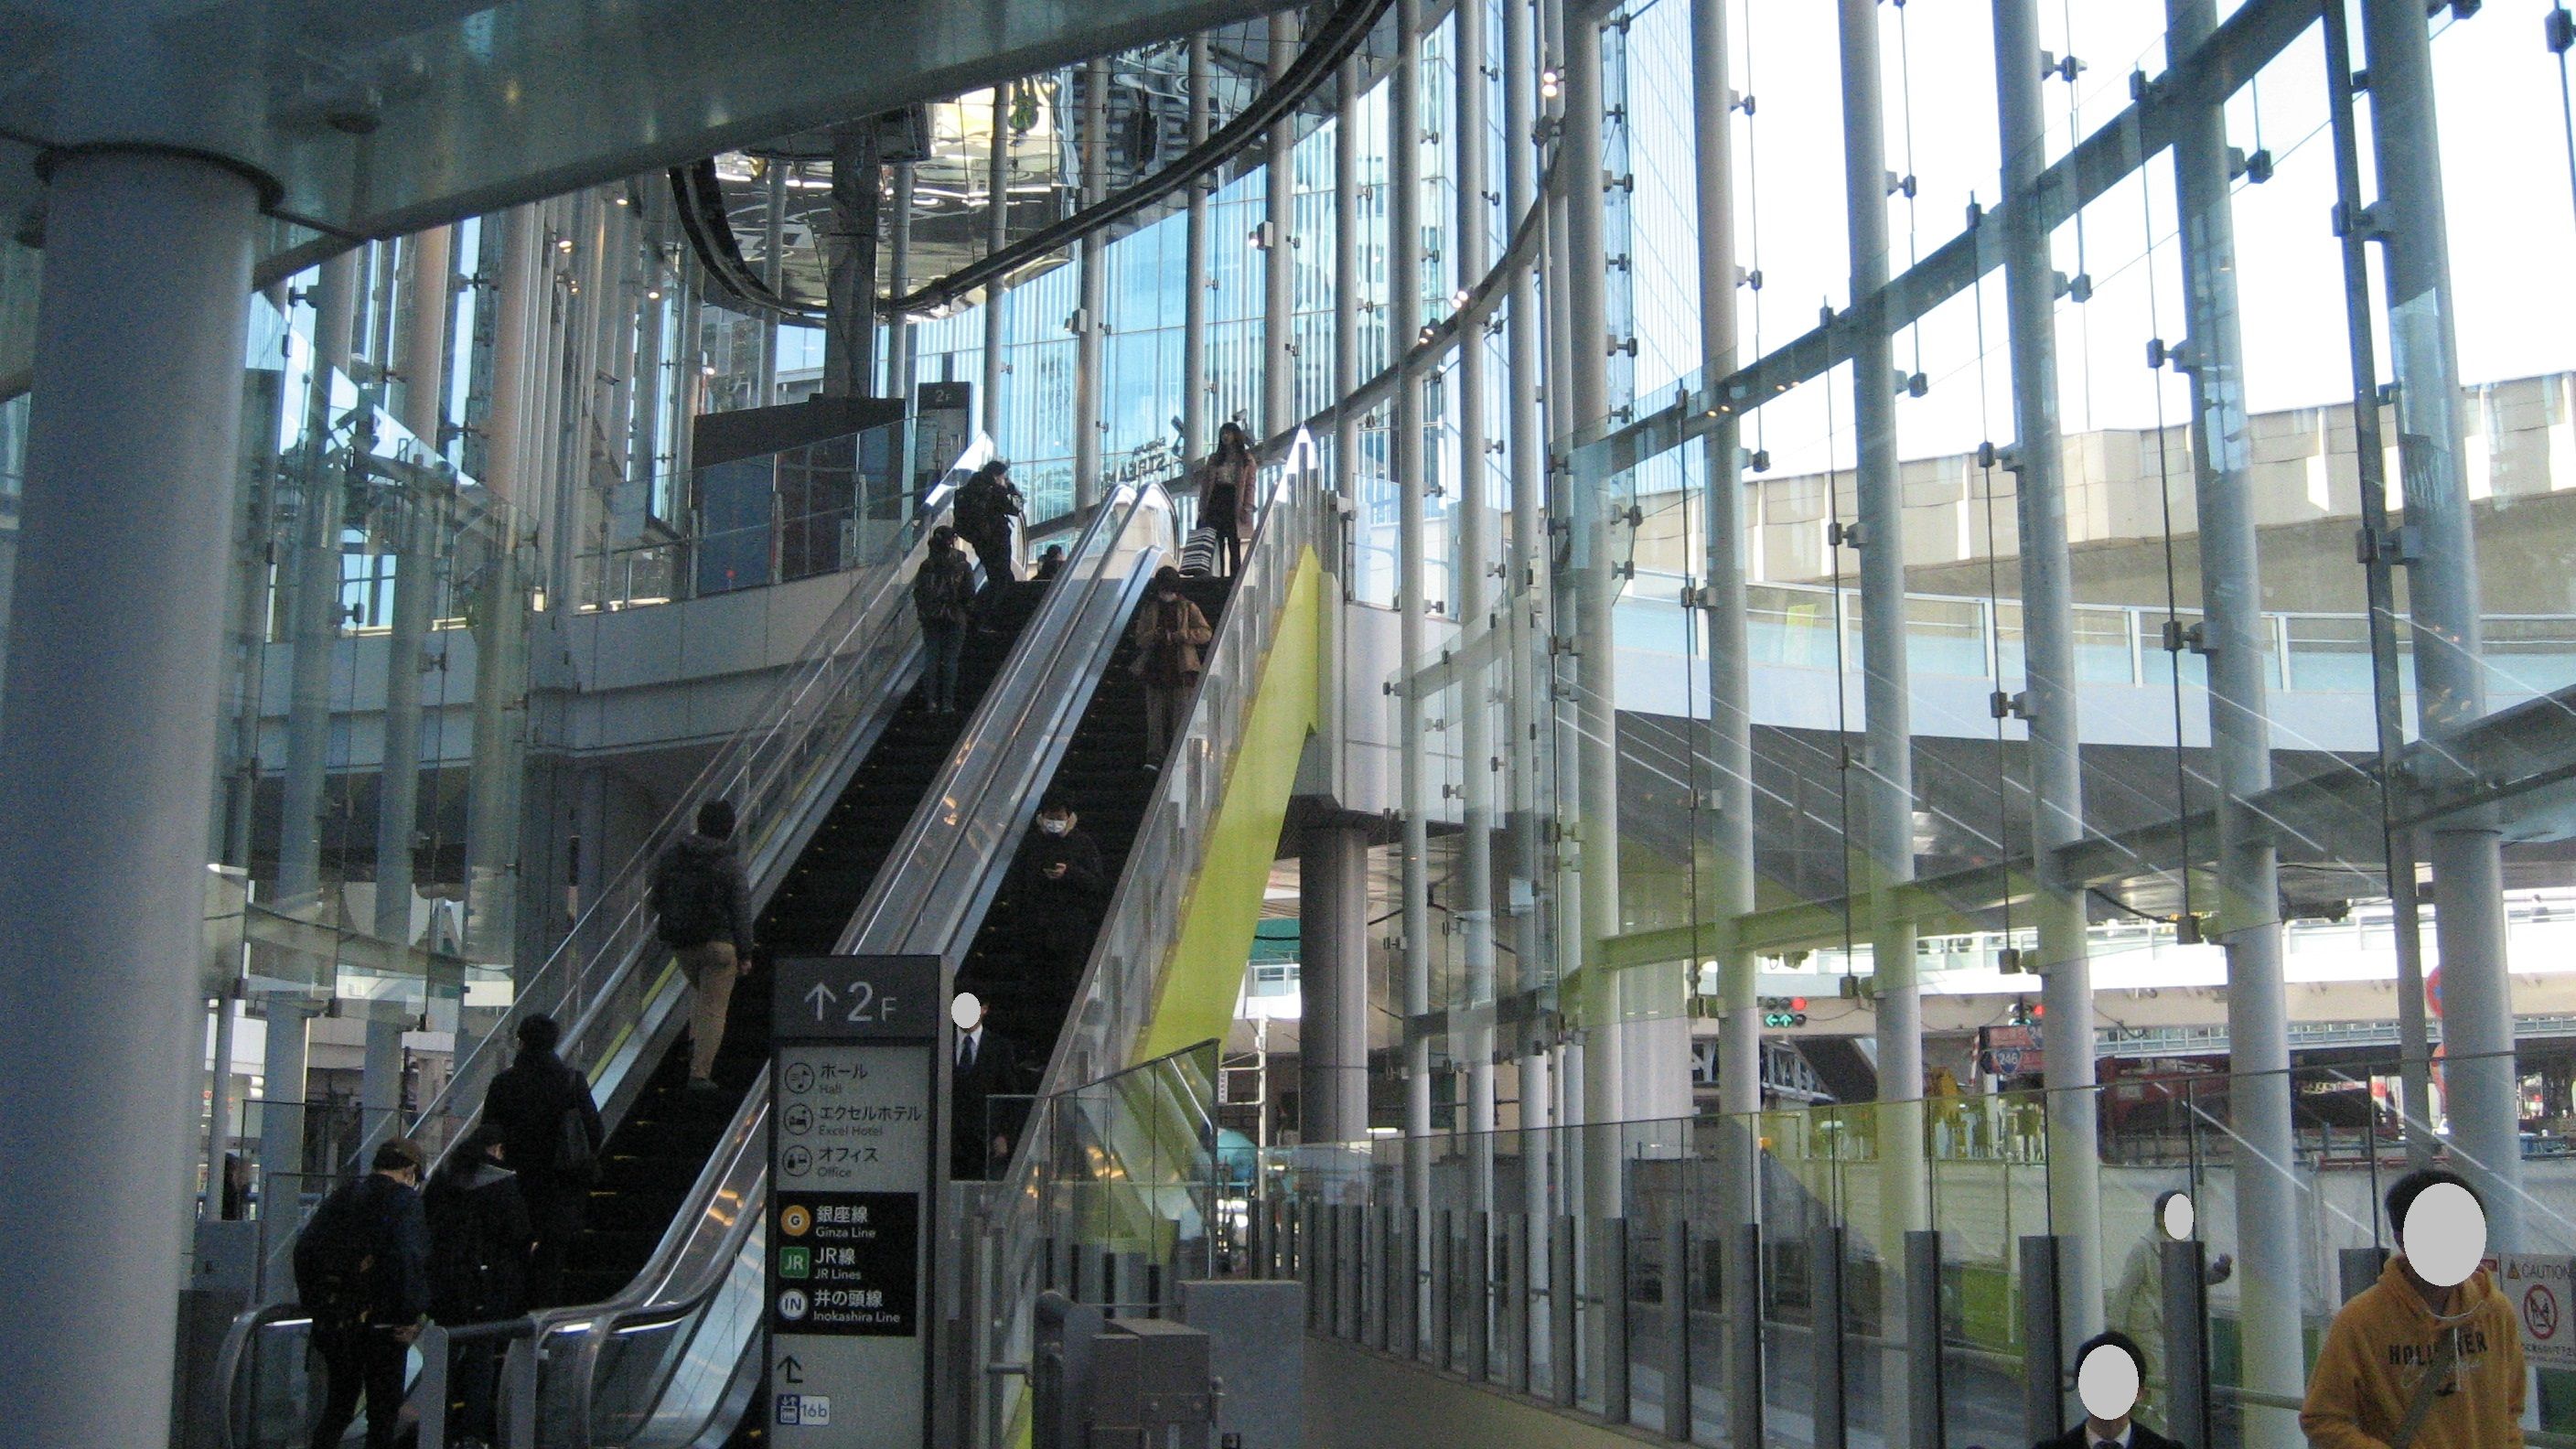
x: 1195, y: 1001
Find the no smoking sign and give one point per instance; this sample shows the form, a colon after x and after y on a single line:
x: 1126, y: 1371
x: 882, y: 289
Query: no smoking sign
x: 2539, y: 1285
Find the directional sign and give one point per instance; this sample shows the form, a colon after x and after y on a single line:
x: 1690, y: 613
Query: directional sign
x: 853, y: 1123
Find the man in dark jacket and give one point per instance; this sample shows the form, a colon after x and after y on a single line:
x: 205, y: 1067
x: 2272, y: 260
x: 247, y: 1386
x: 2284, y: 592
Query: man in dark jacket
x: 702, y: 911
x: 1059, y: 890
x: 943, y: 598
x: 984, y: 1066
x: 362, y: 1271
x: 539, y: 1105
x: 479, y: 1236
x: 2110, y: 1394
x: 986, y: 504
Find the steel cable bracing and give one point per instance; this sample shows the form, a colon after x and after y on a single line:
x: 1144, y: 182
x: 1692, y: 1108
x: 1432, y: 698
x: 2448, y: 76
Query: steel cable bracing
x: 1994, y: 602
x: 1835, y: 532
x: 2173, y: 593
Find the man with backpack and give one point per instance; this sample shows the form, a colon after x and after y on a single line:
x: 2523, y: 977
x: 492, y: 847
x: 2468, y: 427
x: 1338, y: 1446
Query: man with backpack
x: 702, y: 911
x: 479, y: 1237
x: 362, y: 1271
x: 943, y: 597
x: 551, y: 1133
x: 986, y: 504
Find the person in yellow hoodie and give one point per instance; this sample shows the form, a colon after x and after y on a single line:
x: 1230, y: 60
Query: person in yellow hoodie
x: 2410, y: 1364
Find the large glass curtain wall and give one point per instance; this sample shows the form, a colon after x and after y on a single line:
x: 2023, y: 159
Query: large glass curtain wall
x: 2105, y: 805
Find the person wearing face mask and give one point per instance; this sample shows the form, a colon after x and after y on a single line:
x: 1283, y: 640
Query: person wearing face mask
x: 1060, y: 889
x: 1170, y: 632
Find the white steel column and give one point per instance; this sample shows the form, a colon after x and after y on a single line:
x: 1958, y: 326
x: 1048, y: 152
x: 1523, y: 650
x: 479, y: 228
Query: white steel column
x: 1730, y: 897
x: 2483, y: 1097
x: 314, y: 605
x: 513, y: 449
x: 2268, y: 1214
x: 1525, y: 712
x: 106, y: 777
x: 1883, y: 863
x: 997, y: 235
x: 1472, y: 593
x: 1279, y: 263
x: 1590, y: 517
x: 1404, y: 312
x: 898, y: 325
x: 1194, y: 271
x: 1347, y: 280
x: 1091, y: 326
x: 2048, y: 665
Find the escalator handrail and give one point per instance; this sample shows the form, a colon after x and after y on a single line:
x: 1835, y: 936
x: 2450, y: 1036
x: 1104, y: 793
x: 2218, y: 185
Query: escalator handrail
x: 658, y: 1293
x: 919, y: 901
x: 1279, y: 531
x: 861, y: 610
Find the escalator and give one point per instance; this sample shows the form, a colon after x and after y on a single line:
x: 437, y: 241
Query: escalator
x: 1029, y: 990
x: 654, y: 1157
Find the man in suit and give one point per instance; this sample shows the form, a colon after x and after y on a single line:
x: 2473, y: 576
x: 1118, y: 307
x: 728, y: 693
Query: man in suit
x: 983, y: 1066
x: 2109, y: 1389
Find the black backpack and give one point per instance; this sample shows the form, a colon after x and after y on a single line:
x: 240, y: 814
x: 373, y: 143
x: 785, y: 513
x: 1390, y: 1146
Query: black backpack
x: 335, y: 1261
x: 977, y: 509
x: 689, y: 901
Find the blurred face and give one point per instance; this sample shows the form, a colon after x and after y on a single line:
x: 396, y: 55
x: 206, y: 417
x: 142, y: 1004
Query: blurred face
x: 1056, y: 822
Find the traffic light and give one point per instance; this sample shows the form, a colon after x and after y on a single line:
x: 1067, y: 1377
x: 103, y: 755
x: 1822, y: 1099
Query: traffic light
x: 1780, y: 1011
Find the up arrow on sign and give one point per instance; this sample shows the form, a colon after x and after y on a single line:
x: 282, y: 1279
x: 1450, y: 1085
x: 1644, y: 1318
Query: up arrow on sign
x: 790, y: 1371
x: 822, y: 996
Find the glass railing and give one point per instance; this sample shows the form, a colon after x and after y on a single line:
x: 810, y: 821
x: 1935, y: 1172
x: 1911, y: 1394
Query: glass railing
x: 1116, y: 1197
x: 1973, y: 636
x: 1852, y: 1204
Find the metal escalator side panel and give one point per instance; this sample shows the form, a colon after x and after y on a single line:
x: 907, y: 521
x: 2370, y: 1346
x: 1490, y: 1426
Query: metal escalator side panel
x: 1261, y: 696
x: 931, y: 889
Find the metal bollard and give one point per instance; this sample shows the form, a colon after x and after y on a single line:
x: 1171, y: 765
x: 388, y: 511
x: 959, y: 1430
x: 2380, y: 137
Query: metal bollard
x: 1610, y: 1278
x: 1743, y: 1316
x: 1560, y: 1310
x: 1923, y: 1358
x: 1480, y: 1307
x: 1825, y: 1283
x: 1677, y: 1360
x: 2186, y: 1275
x: 2043, y: 1400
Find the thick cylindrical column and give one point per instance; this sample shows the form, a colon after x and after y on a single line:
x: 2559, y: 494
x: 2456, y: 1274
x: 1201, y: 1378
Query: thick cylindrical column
x: 1526, y: 575
x: 1092, y: 328
x: 313, y: 609
x: 1471, y: 586
x: 1729, y: 747
x: 1194, y: 273
x: 1883, y: 861
x: 106, y: 778
x: 1404, y: 314
x: 2247, y: 875
x: 764, y: 391
x: 898, y: 344
x: 1524, y: 595
x: 1346, y: 282
x: 513, y: 453
x: 2048, y: 653
x: 1332, y: 1039
x: 997, y: 235
x: 850, y: 336
x: 1596, y: 526
x: 2479, y: 1072
x: 1279, y: 264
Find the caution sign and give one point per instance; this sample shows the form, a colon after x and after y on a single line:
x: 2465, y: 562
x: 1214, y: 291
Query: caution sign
x: 2542, y: 1290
